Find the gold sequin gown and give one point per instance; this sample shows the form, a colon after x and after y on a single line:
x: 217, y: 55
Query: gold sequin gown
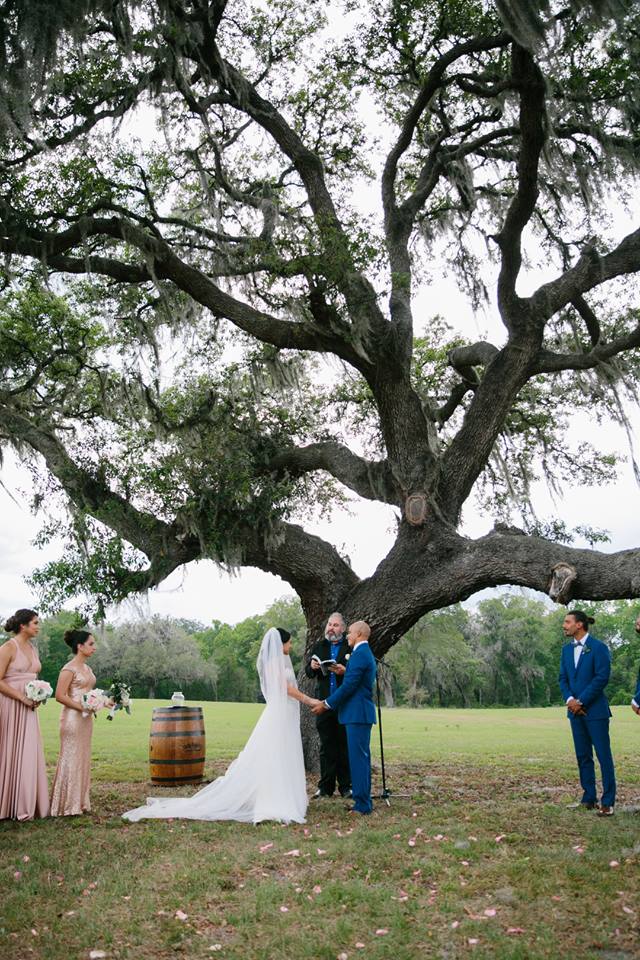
x: 72, y: 780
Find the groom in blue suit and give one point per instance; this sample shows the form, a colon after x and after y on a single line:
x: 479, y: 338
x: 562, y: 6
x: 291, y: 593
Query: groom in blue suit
x: 585, y: 665
x: 356, y: 711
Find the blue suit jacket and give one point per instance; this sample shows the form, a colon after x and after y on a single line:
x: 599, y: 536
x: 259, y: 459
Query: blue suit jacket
x: 587, y: 681
x: 636, y: 695
x: 354, y: 699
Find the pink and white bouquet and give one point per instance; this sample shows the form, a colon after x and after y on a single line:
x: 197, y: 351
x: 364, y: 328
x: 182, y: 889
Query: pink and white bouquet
x: 38, y: 690
x: 94, y: 700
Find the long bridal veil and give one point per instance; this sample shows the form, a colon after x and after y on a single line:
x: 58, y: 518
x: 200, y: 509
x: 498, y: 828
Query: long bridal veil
x: 266, y: 781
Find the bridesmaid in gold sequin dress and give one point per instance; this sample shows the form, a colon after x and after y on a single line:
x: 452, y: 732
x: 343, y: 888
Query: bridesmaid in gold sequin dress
x: 72, y: 780
x: 23, y: 776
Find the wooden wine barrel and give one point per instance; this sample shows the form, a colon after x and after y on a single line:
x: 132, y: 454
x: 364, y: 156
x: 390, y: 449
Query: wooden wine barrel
x: 176, y: 746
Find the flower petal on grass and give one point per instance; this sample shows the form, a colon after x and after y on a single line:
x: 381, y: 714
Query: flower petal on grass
x: 321, y: 852
x: 317, y: 889
x: 291, y: 853
x: 614, y: 863
x: 284, y: 909
x: 490, y: 912
x: 265, y: 847
x: 97, y: 954
x: 381, y: 932
x: 359, y: 945
x: 181, y: 915
x: 515, y: 930
x: 500, y: 837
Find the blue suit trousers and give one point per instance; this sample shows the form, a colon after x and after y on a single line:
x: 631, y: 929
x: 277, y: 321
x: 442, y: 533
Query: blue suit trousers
x: 587, y: 736
x: 359, y: 743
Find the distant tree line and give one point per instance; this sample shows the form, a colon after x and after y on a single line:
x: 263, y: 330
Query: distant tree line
x: 504, y: 652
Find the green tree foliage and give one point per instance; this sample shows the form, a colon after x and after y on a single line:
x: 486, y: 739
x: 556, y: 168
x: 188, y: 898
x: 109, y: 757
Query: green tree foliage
x: 52, y: 649
x: 505, y: 653
x: 234, y: 649
x: 156, y: 657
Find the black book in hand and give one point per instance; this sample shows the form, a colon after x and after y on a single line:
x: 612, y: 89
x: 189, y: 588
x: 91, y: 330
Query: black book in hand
x: 325, y: 665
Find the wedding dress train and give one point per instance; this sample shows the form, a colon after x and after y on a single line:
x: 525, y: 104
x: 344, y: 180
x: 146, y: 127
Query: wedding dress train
x: 266, y: 781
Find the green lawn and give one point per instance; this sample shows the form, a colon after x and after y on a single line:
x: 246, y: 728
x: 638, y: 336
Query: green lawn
x: 485, y: 858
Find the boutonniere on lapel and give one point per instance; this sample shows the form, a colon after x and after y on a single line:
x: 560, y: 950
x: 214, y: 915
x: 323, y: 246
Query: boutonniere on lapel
x: 347, y: 655
x: 585, y: 651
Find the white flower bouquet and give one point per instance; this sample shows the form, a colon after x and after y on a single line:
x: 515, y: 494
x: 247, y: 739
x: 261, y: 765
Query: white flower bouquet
x: 38, y: 690
x: 119, y: 694
x: 94, y: 700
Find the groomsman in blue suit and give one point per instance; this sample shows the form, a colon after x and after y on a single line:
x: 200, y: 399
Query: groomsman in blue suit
x: 585, y: 665
x: 635, y: 703
x: 353, y: 702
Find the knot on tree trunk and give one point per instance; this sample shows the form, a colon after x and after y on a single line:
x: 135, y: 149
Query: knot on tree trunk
x: 416, y: 509
x: 562, y: 578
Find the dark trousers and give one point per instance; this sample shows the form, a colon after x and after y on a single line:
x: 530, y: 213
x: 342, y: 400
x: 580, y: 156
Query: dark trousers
x: 334, y: 754
x: 587, y: 736
x: 359, y: 740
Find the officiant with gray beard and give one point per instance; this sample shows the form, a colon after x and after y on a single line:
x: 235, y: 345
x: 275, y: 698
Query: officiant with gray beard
x: 334, y: 754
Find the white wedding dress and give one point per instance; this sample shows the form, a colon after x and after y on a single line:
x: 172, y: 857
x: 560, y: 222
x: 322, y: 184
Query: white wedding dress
x: 266, y: 781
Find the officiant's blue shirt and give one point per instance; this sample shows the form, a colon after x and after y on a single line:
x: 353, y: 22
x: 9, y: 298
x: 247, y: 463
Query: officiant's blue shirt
x: 333, y: 682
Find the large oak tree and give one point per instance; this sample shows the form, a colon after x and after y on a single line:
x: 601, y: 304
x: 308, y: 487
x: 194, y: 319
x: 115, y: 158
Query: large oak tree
x: 189, y: 238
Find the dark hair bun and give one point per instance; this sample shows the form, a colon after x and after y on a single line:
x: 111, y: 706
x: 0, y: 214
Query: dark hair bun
x: 74, y: 638
x: 19, y: 619
x: 285, y: 636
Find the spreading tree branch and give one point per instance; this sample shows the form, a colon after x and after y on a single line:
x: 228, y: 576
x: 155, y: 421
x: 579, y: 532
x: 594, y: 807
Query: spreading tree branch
x: 371, y: 480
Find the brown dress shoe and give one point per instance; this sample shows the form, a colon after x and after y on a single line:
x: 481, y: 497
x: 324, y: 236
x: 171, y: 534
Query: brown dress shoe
x: 605, y: 812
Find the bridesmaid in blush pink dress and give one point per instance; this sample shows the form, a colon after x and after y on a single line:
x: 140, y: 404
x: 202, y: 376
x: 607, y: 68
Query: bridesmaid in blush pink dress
x: 23, y: 775
x: 72, y: 780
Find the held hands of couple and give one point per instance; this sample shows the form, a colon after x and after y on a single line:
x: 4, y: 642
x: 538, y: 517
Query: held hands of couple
x: 317, y: 706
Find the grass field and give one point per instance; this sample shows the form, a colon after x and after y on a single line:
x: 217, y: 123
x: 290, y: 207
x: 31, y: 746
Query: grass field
x: 484, y: 858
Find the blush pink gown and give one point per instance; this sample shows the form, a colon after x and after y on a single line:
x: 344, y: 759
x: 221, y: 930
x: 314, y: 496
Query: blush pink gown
x: 23, y: 776
x: 72, y: 780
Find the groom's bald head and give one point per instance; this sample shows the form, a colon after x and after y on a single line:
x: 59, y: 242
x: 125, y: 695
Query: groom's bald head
x: 358, y: 631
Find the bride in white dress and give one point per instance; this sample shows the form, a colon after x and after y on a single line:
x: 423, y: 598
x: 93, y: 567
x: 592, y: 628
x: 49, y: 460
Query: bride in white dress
x: 266, y: 781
